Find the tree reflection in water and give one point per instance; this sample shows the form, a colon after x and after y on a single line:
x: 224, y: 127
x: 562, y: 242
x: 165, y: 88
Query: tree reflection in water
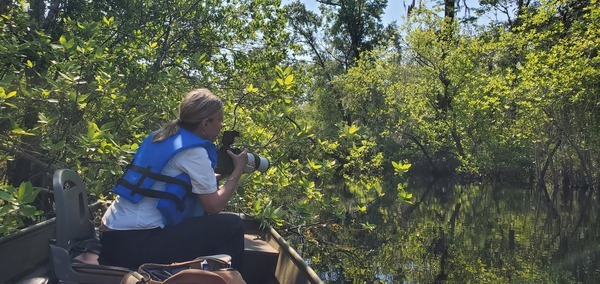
x: 453, y: 233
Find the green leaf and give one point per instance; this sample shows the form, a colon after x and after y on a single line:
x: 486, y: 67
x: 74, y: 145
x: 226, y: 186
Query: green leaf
x: 289, y: 80
x: 288, y: 70
x: 368, y: 226
x: 42, y: 118
x: 107, y: 126
x: 251, y: 89
x: 30, y: 195
x: 201, y: 57
x: 66, y: 43
x: 108, y: 21
x: 24, y: 189
x: 6, y: 209
x: 10, y: 105
x: 314, y: 165
x: 92, y: 130
x: 27, y: 210
x: 400, y: 168
x: 404, y: 196
x: 20, y: 131
x: 6, y: 196
x: 65, y: 76
x: 10, y: 95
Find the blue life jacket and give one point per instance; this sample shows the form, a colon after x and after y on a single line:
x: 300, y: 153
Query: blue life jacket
x: 176, y: 201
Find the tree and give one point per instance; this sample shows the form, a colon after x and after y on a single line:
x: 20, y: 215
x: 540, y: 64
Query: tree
x: 91, y: 78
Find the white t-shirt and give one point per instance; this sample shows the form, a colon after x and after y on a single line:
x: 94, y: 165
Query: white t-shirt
x: 124, y: 215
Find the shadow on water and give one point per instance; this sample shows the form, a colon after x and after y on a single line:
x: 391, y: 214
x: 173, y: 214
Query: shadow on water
x: 475, y: 233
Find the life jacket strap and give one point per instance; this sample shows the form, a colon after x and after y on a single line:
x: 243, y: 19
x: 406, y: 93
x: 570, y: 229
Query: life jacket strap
x: 148, y: 192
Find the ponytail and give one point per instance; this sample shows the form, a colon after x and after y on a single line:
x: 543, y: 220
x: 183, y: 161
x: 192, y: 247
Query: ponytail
x: 167, y: 130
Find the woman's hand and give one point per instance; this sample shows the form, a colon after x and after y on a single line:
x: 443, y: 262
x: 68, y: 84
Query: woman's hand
x: 239, y: 161
x: 215, y: 202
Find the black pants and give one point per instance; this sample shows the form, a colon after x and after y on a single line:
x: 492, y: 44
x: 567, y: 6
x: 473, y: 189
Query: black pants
x: 193, y: 237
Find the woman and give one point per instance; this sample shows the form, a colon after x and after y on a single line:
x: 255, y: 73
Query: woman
x: 147, y: 223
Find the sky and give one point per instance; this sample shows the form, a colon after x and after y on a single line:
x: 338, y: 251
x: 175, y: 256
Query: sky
x: 393, y: 11
x: 395, y: 8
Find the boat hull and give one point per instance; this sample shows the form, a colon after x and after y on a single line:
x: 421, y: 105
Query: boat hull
x: 268, y: 258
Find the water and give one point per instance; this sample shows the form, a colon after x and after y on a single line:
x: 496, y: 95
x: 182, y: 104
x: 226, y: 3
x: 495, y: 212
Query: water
x: 476, y: 233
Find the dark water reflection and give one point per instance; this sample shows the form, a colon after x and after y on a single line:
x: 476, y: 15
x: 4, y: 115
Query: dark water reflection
x: 454, y: 233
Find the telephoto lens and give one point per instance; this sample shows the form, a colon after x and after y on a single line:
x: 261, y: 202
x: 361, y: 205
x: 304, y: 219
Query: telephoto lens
x: 256, y: 163
x: 225, y: 164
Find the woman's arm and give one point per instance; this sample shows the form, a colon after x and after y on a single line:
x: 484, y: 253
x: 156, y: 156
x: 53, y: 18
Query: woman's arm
x: 215, y: 202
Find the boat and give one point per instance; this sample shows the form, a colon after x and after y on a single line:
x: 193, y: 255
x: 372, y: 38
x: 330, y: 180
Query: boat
x: 33, y: 255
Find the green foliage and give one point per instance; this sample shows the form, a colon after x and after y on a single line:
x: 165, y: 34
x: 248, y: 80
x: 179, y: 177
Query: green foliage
x: 82, y: 87
x: 16, y: 207
x: 505, y: 103
x: 84, y: 93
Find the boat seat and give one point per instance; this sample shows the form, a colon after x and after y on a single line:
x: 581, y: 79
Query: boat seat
x: 74, y: 251
x: 260, y: 261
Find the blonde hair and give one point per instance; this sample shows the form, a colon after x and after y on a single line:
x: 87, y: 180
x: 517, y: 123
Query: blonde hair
x: 198, y: 105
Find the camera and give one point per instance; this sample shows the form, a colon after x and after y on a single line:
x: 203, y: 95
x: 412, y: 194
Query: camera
x: 225, y: 163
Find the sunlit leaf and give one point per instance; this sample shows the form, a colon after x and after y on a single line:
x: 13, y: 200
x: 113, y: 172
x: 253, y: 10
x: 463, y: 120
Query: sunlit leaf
x: 352, y: 129
x: 289, y: 79
x: 108, y: 21
x: 313, y: 165
x: 251, y: 89
x: 92, y: 130
x: 400, y: 167
x: 20, y: 131
x: 10, y: 94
